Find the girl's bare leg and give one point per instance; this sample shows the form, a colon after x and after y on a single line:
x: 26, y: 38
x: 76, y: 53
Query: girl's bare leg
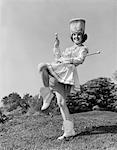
x: 63, y: 107
x: 68, y: 125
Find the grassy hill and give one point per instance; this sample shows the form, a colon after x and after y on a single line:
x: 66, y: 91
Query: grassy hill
x: 27, y: 128
x: 96, y: 130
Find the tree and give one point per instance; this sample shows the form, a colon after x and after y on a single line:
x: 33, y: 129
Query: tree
x: 5, y: 100
x: 11, y: 101
x: 100, y: 91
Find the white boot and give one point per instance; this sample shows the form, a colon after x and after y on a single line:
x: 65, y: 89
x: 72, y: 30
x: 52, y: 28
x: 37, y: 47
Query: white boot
x: 68, y: 129
x: 47, y: 95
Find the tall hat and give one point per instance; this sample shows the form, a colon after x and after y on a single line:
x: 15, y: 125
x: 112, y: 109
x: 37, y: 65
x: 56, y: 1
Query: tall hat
x: 77, y: 25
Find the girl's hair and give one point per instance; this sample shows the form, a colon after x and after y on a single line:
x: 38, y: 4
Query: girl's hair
x: 83, y: 39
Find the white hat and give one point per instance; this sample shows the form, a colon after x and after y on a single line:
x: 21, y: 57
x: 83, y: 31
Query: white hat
x: 77, y: 25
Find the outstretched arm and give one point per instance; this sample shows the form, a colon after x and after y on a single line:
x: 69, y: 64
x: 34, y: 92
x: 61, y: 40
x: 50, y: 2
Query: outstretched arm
x: 79, y: 59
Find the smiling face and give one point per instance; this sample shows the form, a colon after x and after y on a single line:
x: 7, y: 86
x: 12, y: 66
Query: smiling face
x: 77, y: 37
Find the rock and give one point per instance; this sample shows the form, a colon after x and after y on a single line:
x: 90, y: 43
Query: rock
x: 96, y: 107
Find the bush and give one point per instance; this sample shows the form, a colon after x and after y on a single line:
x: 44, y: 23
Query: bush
x: 11, y: 101
x: 97, y: 92
x: 24, y: 102
x: 35, y: 103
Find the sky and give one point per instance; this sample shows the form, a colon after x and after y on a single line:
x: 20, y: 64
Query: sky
x: 27, y: 29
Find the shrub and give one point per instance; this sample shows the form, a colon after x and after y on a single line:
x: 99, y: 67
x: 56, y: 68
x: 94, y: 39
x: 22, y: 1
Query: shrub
x: 24, y: 102
x: 11, y: 101
x: 35, y: 103
x: 100, y: 92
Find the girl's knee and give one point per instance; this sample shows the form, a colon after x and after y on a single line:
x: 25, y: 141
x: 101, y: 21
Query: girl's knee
x: 42, y: 67
x: 61, y: 102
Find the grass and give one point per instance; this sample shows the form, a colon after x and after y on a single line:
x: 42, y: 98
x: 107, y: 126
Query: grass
x: 96, y: 130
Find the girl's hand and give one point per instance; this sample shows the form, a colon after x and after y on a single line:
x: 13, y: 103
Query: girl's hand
x: 64, y: 60
x: 57, y: 42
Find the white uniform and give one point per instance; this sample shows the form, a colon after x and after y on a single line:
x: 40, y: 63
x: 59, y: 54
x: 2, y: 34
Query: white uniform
x: 64, y: 68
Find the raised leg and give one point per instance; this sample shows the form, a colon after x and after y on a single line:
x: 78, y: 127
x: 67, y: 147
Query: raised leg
x: 45, y: 91
x: 45, y: 76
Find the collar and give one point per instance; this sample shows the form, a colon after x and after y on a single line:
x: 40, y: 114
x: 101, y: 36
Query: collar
x: 75, y: 46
